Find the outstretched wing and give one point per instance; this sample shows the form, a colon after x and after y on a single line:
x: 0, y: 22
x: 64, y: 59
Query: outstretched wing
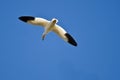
x: 34, y: 20
x: 64, y: 35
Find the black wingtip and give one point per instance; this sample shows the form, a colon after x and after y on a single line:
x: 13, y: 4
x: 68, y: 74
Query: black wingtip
x: 26, y: 18
x: 70, y: 39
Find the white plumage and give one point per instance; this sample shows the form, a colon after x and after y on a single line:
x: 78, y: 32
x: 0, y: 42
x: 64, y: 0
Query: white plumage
x: 49, y: 26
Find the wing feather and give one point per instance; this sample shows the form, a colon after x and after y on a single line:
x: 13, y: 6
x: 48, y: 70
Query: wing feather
x: 39, y: 21
x: 64, y: 35
x: 34, y: 20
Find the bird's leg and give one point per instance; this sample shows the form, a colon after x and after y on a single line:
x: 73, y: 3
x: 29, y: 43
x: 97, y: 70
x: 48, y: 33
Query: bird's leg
x: 43, y: 36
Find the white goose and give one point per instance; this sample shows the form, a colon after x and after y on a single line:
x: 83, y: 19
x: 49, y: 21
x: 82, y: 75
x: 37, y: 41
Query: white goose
x: 49, y: 26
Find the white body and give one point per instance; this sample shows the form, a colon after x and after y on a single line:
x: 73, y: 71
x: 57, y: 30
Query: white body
x: 49, y: 26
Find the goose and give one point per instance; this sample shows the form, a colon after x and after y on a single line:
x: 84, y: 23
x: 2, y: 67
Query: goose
x: 48, y: 27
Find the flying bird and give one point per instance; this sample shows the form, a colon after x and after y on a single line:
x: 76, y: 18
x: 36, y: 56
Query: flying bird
x: 49, y: 26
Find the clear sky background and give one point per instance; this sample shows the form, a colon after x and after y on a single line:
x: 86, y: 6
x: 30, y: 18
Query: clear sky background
x: 95, y: 24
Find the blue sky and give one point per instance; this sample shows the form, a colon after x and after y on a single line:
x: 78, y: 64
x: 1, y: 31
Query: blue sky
x: 95, y: 24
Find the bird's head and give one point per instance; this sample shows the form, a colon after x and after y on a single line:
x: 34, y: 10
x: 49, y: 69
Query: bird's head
x: 54, y: 20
